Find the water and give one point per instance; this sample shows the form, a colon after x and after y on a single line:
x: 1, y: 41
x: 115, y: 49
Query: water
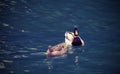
x: 27, y: 27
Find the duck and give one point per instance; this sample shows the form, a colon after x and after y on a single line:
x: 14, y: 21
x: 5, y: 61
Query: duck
x: 60, y: 48
x: 77, y: 41
x: 56, y: 50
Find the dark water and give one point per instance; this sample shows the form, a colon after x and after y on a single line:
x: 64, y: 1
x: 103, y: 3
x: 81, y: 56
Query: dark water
x: 27, y: 27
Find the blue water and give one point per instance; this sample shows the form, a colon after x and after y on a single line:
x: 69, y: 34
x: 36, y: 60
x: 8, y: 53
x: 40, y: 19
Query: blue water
x: 27, y: 27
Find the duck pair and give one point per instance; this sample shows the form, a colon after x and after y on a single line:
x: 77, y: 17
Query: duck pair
x: 71, y: 39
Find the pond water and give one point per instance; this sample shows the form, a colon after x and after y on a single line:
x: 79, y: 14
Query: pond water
x: 28, y: 27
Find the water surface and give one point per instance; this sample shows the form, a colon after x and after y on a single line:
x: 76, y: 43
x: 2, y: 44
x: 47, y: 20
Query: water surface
x: 27, y: 27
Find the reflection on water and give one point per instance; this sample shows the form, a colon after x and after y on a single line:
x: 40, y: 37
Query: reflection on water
x: 70, y: 49
x: 49, y: 64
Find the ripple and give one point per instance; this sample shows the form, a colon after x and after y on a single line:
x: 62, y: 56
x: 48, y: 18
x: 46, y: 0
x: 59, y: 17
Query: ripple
x: 38, y: 53
x: 32, y: 48
x: 20, y: 56
x: 23, y: 51
x: 5, y: 52
x: 5, y: 24
x: 13, y: 2
x: 22, y: 30
x: 26, y: 70
x: 7, y: 61
x: 11, y: 71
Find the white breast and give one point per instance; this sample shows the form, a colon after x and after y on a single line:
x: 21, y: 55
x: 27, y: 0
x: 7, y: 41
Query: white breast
x: 68, y: 38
